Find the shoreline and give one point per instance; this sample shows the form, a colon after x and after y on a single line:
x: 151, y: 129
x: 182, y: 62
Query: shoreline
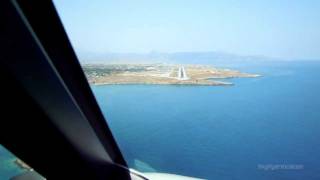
x: 219, y: 83
x: 137, y: 74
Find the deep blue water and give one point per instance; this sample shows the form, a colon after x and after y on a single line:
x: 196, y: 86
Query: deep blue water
x: 222, y: 132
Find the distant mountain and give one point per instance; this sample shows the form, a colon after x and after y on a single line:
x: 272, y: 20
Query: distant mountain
x: 216, y: 58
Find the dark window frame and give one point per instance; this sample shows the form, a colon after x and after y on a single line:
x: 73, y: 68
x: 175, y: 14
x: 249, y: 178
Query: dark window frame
x: 40, y: 68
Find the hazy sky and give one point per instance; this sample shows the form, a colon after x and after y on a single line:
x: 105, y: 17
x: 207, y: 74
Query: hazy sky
x: 277, y: 28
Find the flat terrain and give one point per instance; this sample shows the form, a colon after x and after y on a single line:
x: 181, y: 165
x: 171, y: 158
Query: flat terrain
x: 159, y: 74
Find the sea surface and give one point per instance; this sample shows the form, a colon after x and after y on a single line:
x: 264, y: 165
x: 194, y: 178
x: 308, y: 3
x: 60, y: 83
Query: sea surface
x: 260, y: 128
x: 8, y: 168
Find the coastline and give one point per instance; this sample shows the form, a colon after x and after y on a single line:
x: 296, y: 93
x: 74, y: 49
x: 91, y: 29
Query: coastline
x: 216, y: 83
x: 135, y: 74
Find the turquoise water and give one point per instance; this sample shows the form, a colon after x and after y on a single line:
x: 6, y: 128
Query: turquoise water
x: 8, y: 168
x: 222, y: 132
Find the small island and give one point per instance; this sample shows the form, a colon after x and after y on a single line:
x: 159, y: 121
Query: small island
x: 99, y: 74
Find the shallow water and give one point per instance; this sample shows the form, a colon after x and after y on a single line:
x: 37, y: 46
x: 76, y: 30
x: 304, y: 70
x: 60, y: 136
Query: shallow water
x: 8, y: 168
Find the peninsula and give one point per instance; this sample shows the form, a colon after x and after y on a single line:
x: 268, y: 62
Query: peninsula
x: 99, y: 74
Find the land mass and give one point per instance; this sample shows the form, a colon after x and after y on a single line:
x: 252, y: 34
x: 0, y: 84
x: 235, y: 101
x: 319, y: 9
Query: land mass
x: 99, y: 74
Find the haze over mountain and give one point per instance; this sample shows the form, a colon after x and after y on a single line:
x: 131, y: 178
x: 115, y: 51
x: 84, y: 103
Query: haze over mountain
x: 219, y: 58
x: 275, y: 28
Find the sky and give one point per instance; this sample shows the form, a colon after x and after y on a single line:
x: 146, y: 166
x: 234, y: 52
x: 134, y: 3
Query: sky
x: 288, y: 29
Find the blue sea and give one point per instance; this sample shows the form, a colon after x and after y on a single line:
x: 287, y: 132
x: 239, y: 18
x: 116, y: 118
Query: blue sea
x: 222, y: 132
x: 261, y: 128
